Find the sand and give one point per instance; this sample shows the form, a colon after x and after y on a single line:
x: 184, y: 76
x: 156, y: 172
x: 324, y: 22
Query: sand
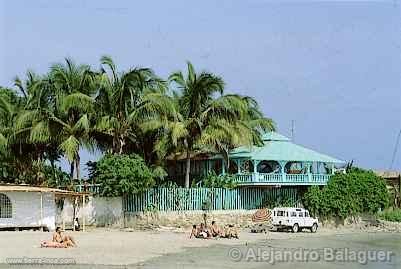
x: 114, y: 247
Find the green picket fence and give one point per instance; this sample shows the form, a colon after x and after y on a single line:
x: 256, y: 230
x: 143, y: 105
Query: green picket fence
x: 182, y: 199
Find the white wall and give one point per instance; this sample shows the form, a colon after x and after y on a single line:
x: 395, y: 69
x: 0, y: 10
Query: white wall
x: 98, y: 211
x: 26, y: 210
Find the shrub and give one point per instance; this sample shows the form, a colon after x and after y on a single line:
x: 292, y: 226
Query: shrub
x: 391, y: 215
x: 313, y: 200
x: 122, y: 174
x: 345, y: 195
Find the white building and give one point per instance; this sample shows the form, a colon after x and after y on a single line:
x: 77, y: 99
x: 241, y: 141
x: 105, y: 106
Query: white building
x: 29, y: 207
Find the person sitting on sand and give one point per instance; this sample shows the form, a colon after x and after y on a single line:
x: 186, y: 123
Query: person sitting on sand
x: 194, y: 232
x: 215, y: 230
x: 230, y: 232
x: 204, y: 232
x: 66, y: 240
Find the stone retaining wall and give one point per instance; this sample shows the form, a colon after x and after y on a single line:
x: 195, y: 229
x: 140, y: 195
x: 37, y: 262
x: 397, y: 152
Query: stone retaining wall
x: 240, y: 218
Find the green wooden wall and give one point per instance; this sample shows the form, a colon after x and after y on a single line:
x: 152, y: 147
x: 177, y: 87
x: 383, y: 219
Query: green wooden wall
x: 182, y: 199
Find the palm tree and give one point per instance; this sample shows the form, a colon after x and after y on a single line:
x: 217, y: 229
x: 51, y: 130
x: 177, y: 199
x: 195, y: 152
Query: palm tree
x: 123, y: 103
x: 18, y: 155
x: 210, y: 123
x: 32, y: 123
x: 9, y: 109
x: 74, y: 88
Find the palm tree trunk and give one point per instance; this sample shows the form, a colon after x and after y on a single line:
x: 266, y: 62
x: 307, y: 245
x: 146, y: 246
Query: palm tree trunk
x: 72, y: 164
x: 121, y: 145
x: 77, y: 163
x: 187, y: 168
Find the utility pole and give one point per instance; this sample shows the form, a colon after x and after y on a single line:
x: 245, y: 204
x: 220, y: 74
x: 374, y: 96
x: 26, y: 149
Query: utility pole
x: 397, y: 142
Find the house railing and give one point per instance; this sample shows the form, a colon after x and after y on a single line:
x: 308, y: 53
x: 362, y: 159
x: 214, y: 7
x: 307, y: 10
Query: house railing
x: 186, y: 199
x: 284, y: 179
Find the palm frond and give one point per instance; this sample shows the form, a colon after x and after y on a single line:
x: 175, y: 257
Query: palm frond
x: 78, y: 101
x: 70, y: 148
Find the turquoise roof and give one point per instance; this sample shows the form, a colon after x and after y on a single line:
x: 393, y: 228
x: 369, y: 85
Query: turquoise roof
x: 279, y: 148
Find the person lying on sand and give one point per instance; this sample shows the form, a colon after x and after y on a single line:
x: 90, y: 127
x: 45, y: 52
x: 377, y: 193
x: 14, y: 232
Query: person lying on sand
x: 50, y: 244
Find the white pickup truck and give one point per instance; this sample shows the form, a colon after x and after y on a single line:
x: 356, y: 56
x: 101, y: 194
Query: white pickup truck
x: 295, y: 219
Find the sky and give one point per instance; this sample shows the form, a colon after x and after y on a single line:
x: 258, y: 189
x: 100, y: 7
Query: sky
x: 331, y: 67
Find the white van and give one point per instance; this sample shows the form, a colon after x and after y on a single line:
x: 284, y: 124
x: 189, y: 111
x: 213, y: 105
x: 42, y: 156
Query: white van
x: 285, y: 218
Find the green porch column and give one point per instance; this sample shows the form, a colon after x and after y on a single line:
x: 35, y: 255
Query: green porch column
x: 223, y: 167
x: 332, y: 168
x: 238, y: 161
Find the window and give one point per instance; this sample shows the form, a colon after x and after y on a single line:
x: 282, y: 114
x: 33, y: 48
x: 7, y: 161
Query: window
x: 307, y: 214
x: 268, y: 167
x: 293, y: 214
x: 301, y: 214
x: 6, y: 210
x: 280, y: 213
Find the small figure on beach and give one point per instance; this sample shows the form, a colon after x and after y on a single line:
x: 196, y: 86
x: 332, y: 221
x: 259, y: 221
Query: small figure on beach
x: 194, y: 232
x: 204, y: 232
x: 215, y: 230
x: 59, y: 241
x: 231, y: 232
x: 77, y: 226
x: 201, y: 232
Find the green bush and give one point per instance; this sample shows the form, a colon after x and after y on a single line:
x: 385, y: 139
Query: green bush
x: 122, y: 174
x: 345, y: 195
x: 313, y: 199
x: 391, y: 215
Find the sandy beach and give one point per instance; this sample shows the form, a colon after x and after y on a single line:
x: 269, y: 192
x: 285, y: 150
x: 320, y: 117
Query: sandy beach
x: 154, y: 249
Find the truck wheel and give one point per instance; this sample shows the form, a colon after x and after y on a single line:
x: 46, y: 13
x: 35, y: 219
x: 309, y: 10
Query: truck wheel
x: 313, y: 229
x: 295, y: 228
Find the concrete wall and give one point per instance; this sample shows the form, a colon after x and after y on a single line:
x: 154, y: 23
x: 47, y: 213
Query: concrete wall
x: 26, y: 210
x: 240, y: 218
x: 98, y: 211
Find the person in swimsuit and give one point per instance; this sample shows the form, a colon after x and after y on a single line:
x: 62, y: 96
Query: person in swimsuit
x: 67, y: 240
x: 194, y: 232
x: 204, y: 232
x: 215, y: 230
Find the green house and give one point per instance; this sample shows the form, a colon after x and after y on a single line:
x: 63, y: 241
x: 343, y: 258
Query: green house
x: 279, y: 162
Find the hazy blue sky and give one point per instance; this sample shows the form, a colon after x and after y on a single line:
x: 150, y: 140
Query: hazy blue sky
x: 332, y: 67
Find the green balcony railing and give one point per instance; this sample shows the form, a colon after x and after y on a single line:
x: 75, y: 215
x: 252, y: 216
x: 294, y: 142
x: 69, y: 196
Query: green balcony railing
x: 282, y: 179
